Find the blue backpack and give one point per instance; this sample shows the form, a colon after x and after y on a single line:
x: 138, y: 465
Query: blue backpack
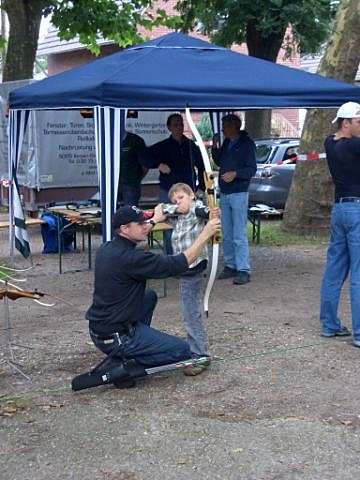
x: 49, y: 233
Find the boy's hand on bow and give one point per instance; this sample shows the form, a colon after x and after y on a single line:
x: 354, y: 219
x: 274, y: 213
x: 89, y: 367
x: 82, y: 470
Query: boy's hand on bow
x: 159, y: 215
x: 214, y: 213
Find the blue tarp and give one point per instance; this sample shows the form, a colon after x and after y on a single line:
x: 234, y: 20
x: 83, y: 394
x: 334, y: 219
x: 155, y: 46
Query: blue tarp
x: 177, y: 71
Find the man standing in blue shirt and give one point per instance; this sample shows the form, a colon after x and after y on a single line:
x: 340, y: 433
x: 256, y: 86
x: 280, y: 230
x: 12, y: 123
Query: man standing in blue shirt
x: 343, y: 255
x: 237, y: 161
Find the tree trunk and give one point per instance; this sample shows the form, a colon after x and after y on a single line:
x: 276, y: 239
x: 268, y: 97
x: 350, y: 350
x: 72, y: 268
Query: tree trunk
x: 311, y: 194
x: 24, y: 21
x: 258, y: 122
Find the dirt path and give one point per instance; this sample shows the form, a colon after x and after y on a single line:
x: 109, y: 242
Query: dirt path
x: 279, y: 402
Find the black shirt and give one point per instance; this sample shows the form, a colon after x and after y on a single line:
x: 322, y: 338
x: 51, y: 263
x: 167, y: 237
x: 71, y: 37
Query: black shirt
x: 121, y: 271
x: 131, y: 171
x: 184, y: 160
x: 343, y: 157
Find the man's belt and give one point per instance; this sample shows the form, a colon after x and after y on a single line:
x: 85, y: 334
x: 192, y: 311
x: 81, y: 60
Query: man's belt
x: 128, y: 331
x: 348, y: 199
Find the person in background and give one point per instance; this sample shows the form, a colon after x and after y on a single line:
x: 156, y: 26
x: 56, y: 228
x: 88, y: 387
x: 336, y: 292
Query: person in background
x: 343, y: 255
x: 178, y: 160
x: 131, y: 170
x: 237, y: 161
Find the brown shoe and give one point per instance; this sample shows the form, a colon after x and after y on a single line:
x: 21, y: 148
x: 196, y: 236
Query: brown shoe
x: 197, y: 367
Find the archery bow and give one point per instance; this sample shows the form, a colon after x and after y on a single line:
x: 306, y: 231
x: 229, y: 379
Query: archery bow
x: 15, y: 292
x: 211, y: 186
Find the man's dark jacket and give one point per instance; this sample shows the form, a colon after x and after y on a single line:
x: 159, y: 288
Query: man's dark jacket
x: 241, y: 157
x: 131, y: 170
x: 184, y: 160
x: 121, y: 271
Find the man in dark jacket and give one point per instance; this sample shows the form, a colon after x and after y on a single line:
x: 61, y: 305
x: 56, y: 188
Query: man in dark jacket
x: 237, y: 161
x: 122, y: 308
x: 343, y: 255
x: 131, y: 170
x: 178, y: 160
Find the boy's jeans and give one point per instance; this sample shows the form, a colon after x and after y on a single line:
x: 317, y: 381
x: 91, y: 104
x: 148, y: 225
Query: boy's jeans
x: 190, y: 289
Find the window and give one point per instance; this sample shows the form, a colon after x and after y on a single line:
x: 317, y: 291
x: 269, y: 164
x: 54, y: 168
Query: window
x: 263, y: 154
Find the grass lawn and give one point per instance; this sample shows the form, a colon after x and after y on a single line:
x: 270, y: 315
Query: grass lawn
x: 271, y: 234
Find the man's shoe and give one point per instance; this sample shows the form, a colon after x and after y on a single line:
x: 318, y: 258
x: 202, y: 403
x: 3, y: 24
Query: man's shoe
x: 356, y: 343
x: 241, y: 278
x: 197, y: 368
x: 228, y: 272
x: 343, y: 332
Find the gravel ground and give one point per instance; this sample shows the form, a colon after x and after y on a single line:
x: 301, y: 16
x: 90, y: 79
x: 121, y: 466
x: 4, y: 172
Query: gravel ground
x: 278, y: 402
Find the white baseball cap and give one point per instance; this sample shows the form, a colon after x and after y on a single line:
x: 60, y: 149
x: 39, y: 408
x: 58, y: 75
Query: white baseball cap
x: 348, y: 110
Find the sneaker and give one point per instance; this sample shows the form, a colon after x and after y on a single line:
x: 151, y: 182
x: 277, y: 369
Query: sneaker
x: 197, y: 368
x: 356, y: 343
x: 228, y: 272
x: 343, y: 332
x: 241, y: 278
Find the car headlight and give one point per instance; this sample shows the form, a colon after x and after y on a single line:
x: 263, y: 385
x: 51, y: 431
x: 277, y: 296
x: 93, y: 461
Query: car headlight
x: 264, y: 172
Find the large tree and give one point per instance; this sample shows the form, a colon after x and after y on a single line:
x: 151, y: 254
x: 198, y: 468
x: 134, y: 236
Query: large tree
x: 262, y: 24
x: 89, y: 19
x: 311, y: 193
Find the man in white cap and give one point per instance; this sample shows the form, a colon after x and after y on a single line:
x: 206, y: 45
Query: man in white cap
x: 343, y: 256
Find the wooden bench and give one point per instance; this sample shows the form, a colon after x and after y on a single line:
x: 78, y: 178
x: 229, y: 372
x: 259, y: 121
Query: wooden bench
x: 30, y: 222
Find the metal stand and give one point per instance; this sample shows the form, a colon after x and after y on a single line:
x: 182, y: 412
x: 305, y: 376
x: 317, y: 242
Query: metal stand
x: 8, y: 345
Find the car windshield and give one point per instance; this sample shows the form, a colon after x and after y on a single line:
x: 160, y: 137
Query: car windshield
x: 263, y: 153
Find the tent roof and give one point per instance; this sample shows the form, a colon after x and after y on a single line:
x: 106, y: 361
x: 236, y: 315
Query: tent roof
x: 176, y: 71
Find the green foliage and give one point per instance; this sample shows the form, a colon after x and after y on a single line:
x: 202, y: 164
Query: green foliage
x: 41, y: 65
x: 92, y: 20
x: 2, y: 43
x: 204, y: 127
x: 230, y: 21
x: 3, y: 273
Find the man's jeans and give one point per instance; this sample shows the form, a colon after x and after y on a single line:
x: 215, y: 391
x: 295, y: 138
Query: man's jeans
x: 148, y: 346
x: 234, y: 209
x: 190, y: 289
x: 343, y: 256
x: 164, y: 198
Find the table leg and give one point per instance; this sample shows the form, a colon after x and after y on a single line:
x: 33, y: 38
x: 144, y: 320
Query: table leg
x: 59, y: 243
x: 258, y: 224
x: 89, y: 245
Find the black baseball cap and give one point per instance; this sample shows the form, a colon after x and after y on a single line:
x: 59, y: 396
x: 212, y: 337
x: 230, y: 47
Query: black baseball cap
x: 127, y: 214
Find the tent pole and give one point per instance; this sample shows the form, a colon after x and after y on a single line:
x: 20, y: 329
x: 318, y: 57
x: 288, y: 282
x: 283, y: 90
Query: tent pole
x: 11, y: 188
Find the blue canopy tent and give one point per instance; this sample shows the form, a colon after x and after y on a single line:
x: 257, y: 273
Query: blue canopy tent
x: 172, y: 72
